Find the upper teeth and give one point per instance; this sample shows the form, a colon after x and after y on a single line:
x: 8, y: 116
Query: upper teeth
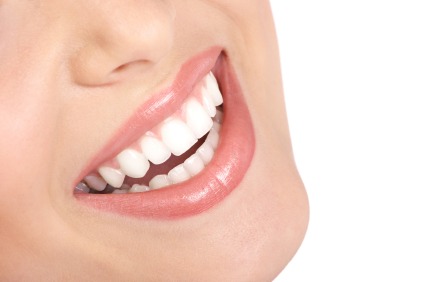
x: 176, y: 134
x: 114, y: 177
x: 197, y: 119
x: 213, y: 90
x: 133, y: 163
x: 154, y: 149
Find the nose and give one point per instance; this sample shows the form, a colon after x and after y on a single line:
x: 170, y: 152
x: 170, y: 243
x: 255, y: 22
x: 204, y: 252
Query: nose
x: 120, y: 39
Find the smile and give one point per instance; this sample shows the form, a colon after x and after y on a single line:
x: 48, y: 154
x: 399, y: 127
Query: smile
x: 181, y: 153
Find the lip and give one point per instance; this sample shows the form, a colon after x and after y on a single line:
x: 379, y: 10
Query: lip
x: 219, y: 178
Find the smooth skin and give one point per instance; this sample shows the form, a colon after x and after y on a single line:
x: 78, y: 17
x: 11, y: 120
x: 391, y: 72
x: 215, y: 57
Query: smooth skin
x: 71, y: 73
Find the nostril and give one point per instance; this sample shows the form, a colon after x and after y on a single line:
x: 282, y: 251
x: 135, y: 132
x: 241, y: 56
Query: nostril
x: 122, y: 68
x: 138, y: 64
x: 128, y: 70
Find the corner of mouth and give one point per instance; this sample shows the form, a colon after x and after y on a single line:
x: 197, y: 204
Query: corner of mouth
x: 181, y: 153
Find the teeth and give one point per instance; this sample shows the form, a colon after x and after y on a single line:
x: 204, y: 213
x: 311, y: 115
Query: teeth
x: 206, y: 152
x: 178, y: 174
x: 95, y: 182
x: 194, y: 164
x: 212, y: 138
x: 136, y: 188
x: 213, y: 90
x: 154, y: 149
x: 177, y: 136
x: 113, y: 177
x: 208, y: 102
x: 197, y: 119
x: 133, y: 163
x: 159, y: 181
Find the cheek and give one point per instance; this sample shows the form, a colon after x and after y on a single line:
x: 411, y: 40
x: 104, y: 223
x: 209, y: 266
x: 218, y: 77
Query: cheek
x: 26, y: 153
x: 26, y: 147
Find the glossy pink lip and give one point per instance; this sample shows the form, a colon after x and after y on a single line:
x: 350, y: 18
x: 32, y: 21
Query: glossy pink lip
x: 228, y: 167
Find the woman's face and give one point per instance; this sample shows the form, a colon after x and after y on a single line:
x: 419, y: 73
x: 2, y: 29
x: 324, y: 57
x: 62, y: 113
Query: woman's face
x: 94, y: 92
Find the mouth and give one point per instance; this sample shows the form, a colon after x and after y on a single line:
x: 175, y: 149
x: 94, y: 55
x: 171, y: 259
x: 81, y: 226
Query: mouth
x: 181, y: 153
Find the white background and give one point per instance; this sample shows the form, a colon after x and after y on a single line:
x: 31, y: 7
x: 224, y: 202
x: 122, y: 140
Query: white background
x: 354, y: 80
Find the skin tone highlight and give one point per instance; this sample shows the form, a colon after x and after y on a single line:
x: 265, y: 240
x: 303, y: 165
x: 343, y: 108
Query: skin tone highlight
x: 72, y: 73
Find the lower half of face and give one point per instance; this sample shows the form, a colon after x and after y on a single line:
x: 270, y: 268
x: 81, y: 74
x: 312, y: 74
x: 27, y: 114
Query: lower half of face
x: 144, y: 140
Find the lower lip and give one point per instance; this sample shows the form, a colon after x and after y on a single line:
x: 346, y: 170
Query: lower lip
x: 223, y: 174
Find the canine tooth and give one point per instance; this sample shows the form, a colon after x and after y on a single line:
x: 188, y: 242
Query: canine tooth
x: 178, y: 174
x: 212, y: 138
x: 159, y: 181
x: 206, y: 152
x: 208, y: 102
x: 154, y: 149
x: 81, y: 188
x: 114, y: 177
x: 136, y: 188
x: 197, y: 119
x: 133, y: 163
x: 194, y: 164
x: 95, y: 182
x: 213, y: 89
x: 177, y: 136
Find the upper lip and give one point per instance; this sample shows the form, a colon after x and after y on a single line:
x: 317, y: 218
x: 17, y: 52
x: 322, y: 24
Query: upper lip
x: 213, y: 184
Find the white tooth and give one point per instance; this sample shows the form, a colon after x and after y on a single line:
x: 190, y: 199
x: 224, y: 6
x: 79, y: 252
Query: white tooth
x: 120, y: 191
x: 81, y: 188
x: 197, y: 119
x: 177, y: 136
x: 159, y: 181
x: 194, y: 164
x: 178, y: 174
x: 154, y: 149
x: 212, y: 139
x: 206, y: 152
x: 216, y: 126
x: 208, y: 102
x: 213, y: 90
x: 95, y: 182
x: 136, y: 188
x: 133, y: 163
x: 114, y: 177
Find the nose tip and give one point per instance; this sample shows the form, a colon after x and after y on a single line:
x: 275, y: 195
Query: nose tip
x: 123, y: 39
